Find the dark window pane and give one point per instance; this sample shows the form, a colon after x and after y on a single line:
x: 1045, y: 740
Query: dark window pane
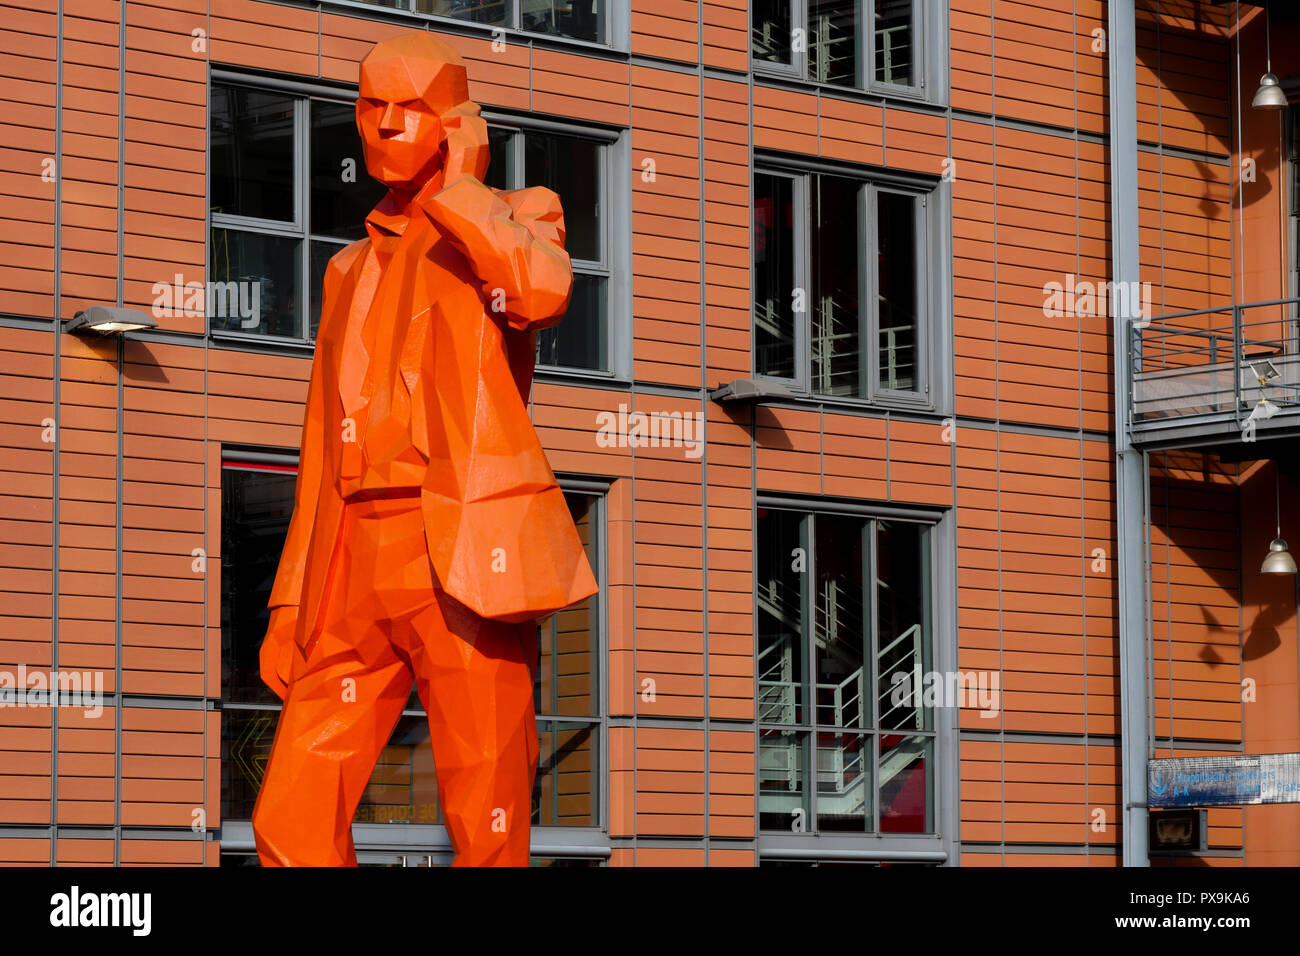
x: 774, y: 316
x: 843, y: 783
x: 342, y: 192
x: 770, y: 31
x: 246, y: 738
x: 563, y: 861
x: 905, y: 784
x: 783, y: 572
x: 403, y: 787
x: 500, y: 171
x: 837, y: 366
x: 902, y: 623
x: 475, y: 11
x: 579, y: 340
x: 578, y: 19
x: 319, y: 258
x: 255, y: 508
x: 567, y: 640
x: 252, y: 153
x: 564, y: 791
x: 840, y: 638
x: 261, y: 278
x: 895, y: 55
x: 571, y: 167
x: 782, y: 770
x: 833, y: 39
x: 896, y: 232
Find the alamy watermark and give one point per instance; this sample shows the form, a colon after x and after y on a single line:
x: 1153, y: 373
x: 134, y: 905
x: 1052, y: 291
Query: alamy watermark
x: 220, y: 300
x: 624, y: 429
x: 38, y: 688
x: 977, y: 690
x: 1129, y: 300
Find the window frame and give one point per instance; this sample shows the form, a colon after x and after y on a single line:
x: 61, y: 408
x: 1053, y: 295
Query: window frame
x: 930, y: 210
x: 929, y: 43
x: 300, y: 229
x: 615, y: 266
x: 615, y: 205
x: 430, y: 839
x: 940, y: 845
x: 617, y: 23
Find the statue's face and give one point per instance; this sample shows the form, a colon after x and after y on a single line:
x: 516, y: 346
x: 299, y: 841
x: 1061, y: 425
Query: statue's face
x: 401, y: 134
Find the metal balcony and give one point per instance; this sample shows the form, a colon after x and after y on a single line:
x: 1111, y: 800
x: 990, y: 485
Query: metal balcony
x: 1215, y: 376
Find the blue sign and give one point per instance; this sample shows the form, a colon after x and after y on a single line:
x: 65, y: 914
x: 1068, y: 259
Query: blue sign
x: 1223, y: 781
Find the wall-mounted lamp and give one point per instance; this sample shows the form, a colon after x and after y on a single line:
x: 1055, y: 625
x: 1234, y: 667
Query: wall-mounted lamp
x: 109, y: 320
x: 1270, y: 95
x: 748, y: 391
x: 1279, y: 559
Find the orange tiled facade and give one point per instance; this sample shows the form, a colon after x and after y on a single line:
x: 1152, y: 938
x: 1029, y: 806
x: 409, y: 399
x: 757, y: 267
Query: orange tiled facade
x: 943, y: 484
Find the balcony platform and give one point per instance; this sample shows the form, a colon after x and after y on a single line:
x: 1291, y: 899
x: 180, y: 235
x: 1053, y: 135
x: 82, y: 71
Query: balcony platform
x: 1198, y: 381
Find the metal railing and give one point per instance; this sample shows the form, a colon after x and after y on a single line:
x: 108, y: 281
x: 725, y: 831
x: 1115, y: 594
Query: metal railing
x: 1188, y: 364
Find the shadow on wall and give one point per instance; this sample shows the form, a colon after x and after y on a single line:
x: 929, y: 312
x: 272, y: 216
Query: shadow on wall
x: 1196, y: 557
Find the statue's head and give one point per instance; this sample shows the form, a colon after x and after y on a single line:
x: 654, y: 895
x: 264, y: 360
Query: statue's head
x: 414, y: 112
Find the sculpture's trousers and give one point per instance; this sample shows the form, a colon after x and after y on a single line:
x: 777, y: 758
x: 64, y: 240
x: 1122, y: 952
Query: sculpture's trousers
x: 381, y: 622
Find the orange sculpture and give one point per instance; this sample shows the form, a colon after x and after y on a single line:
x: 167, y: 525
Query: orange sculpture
x: 428, y: 532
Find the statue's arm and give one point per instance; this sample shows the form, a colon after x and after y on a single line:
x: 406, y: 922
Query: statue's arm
x: 514, y: 242
x: 286, y: 594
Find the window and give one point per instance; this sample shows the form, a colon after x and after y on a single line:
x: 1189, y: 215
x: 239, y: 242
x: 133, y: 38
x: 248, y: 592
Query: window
x: 257, y: 501
x: 274, y: 231
x: 839, y: 279
x: 852, y: 43
x: 844, y: 605
x: 576, y: 167
x: 576, y: 19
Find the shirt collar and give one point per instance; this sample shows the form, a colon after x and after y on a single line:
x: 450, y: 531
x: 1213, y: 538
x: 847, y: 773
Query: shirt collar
x: 389, y: 218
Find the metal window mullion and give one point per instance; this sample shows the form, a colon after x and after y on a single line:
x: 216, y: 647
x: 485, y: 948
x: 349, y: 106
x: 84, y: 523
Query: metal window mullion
x: 871, y: 638
x: 868, y: 300
x: 917, y: 47
x: 800, y: 21
x: 301, y: 183
x: 801, y: 201
x: 928, y: 722
x: 921, y: 259
x: 873, y: 739
x: 808, y: 598
x: 518, y: 175
x: 604, y: 205
x: 600, y: 651
x: 871, y: 290
x: 868, y: 22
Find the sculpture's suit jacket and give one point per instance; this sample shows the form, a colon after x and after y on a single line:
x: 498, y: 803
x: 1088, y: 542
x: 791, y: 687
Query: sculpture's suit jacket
x: 423, y: 366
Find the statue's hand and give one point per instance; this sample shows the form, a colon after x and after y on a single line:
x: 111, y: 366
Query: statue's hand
x: 464, y: 209
x: 278, y: 648
x: 467, y: 145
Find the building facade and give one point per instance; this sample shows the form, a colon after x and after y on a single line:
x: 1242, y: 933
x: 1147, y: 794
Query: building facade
x: 893, y: 567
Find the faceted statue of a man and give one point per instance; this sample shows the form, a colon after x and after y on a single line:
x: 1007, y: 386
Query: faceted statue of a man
x: 428, y: 534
